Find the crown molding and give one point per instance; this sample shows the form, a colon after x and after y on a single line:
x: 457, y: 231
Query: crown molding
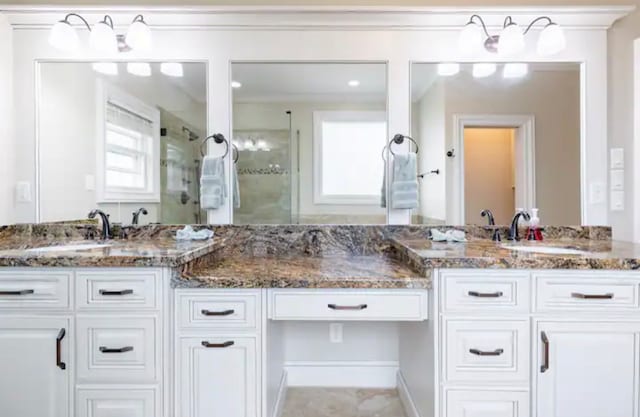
x: 317, y: 17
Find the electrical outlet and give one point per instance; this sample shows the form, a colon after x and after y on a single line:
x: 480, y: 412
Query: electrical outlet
x: 23, y: 192
x: 596, y: 193
x: 335, y: 332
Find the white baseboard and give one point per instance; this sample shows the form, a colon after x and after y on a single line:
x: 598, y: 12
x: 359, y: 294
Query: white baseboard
x: 282, y: 396
x: 405, y: 397
x: 361, y: 374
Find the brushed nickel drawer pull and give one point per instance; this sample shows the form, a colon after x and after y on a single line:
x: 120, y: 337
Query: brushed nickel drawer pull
x: 115, y: 292
x: 496, y: 294
x: 607, y: 296
x: 59, y: 362
x: 479, y: 352
x: 105, y: 349
x: 545, y: 359
x: 218, y: 313
x: 337, y: 307
x: 18, y: 292
x: 217, y: 345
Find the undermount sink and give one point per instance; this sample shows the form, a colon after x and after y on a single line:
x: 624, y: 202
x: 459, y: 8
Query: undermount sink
x: 545, y: 249
x: 70, y: 248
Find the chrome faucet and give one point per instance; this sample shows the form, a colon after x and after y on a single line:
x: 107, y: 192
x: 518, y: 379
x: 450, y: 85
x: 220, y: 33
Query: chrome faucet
x: 106, y: 226
x: 496, y: 233
x: 136, y: 215
x: 513, y: 230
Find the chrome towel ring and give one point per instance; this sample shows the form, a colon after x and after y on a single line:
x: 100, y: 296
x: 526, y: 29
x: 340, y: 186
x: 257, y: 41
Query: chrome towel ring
x: 217, y: 138
x: 398, y: 139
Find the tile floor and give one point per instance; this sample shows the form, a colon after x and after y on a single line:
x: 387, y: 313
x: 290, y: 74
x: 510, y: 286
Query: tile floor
x: 342, y: 402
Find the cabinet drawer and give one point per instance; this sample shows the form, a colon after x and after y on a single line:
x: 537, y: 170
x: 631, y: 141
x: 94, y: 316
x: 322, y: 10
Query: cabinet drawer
x: 485, y: 291
x: 114, y: 289
x: 116, y: 403
x: 219, y: 309
x: 378, y: 305
x: 569, y: 290
x: 117, y: 349
x: 486, y: 351
x: 484, y: 403
x: 34, y: 289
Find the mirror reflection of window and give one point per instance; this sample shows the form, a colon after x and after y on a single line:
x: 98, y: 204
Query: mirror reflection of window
x: 118, y: 139
x: 310, y: 137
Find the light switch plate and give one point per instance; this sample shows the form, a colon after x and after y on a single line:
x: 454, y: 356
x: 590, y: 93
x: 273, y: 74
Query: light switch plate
x: 89, y: 182
x: 617, y: 180
x: 597, y: 192
x: 23, y: 192
x: 617, y: 200
x: 616, y: 158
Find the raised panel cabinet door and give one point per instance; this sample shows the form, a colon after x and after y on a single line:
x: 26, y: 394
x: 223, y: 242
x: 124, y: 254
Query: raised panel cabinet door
x: 587, y: 369
x: 34, y: 367
x: 218, y: 377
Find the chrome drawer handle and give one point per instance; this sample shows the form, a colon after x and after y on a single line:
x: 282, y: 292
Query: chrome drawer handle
x: 607, y: 296
x: 545, y: 359
x: 115, y: 292
x: 479, y: 352
x: 217, y: 313
x: 18, y: 292
x: 496, y: 294
x: 105, y: 349
x: 337, y: 307
x: 217, y: 345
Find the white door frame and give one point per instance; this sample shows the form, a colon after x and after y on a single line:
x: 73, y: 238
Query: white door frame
x: 636, y: 140
x: 524, y: 151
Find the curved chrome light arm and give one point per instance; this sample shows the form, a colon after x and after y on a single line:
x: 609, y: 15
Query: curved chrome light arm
x: 66, y: 20
x: 138, y: 18
x: 539, y: 19
x: 107, y: 20
x: 484, y: 27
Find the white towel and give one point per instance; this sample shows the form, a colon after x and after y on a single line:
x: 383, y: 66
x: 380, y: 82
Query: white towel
x: 383, y: 190
x: 404, y: 182
x: 236, y: 187
x: 213, y: 188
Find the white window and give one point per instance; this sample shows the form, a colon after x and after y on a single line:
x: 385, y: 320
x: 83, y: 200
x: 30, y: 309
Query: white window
x: 348, y: 165
x: 128, y: 149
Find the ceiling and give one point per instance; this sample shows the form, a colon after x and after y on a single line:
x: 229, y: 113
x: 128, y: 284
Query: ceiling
x: 325, y: 2
x: 309, y: 81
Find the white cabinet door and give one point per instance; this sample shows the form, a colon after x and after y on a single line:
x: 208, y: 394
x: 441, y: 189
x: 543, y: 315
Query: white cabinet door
x: 587, y: 369
x: 218, y: 377
x: 34, y: 367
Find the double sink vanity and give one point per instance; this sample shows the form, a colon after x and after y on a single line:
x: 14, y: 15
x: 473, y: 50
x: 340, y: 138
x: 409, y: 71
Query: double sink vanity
x: 148, y: 326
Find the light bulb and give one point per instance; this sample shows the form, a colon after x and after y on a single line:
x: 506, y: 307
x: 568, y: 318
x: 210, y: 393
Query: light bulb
x: 470, y: 39
x: 106, y: 68
x: 236, y: 84
x: 139, y: 36
x: 103, y: 39
x: 515, y: 70
x: 262, y: 144
x: 141, y: 69
x: 551, y: 40
x: 448, y: 69
x: 511, y: 40
x: 172, y: 69
x: 63, y: 36
x: 483, y: 69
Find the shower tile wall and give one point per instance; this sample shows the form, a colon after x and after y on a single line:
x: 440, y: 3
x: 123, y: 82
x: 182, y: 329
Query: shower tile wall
x: 179, y: 171
x: 264, y: 177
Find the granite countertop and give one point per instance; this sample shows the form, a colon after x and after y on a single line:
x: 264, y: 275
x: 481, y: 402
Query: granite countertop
x: 152, y: 252
x: 373, y: 271
x: 598, y: 254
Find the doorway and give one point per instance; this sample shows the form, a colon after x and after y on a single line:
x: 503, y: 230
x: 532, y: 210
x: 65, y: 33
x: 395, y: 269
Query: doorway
x: 489, y: 173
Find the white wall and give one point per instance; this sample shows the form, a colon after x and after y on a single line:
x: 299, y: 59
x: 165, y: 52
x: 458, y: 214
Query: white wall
x: 249, y: 116
x: 6, y: 122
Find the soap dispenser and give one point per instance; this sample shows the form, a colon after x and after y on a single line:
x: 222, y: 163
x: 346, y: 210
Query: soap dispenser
x: 534, y: 232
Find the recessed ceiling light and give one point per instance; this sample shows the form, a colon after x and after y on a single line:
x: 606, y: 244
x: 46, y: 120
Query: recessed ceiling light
x: 353, y: 83
x: 236, y: 84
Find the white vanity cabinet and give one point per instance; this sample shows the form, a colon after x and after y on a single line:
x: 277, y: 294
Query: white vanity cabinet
x: 82, y: 342
x: 550, y: 343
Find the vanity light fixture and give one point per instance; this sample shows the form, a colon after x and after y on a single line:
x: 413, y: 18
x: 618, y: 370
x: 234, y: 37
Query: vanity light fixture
x: 484, y: 69
x: 474, y: 37
x: 515, y: 70
x: 102, y: 37
x: 448, y: 69
x: 106, y: 68
x: 236, y: 84
x: 353, y: 83
x: 141, y: 69
x: 172, y: 69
